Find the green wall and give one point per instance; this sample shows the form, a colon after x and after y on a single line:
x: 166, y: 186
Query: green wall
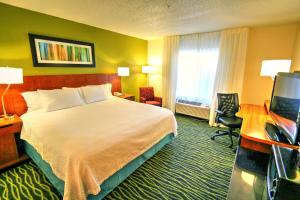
x: 111, y: 49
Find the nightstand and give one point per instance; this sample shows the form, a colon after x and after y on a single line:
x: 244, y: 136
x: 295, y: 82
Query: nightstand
x: 11, y: 151
x: 128, y: 97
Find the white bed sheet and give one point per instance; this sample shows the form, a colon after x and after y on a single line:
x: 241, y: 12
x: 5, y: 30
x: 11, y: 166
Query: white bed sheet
x: 87, y: 144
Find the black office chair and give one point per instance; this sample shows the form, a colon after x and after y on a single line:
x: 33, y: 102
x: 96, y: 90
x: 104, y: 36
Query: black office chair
x: 228, y: 106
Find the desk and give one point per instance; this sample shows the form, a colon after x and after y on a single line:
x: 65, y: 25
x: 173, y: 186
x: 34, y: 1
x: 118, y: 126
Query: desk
x: 253, y: 133
x: 250, y: 109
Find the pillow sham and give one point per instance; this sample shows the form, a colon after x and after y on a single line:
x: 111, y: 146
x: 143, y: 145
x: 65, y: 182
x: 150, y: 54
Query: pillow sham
x: 32, y: 100
x: 108, y: 87
x: 93, y: 93
x: 58, y: 99
x: 76, y: 88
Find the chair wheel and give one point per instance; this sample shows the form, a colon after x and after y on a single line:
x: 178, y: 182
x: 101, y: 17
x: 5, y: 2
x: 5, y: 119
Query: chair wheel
x: 212, y: 138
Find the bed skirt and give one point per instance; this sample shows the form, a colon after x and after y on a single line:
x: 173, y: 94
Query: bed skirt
x: 109, y: 184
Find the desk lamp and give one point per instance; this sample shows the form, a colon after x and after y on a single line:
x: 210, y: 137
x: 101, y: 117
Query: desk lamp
x: 272, y: 67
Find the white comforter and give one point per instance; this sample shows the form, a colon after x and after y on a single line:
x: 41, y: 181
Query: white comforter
x: 85, y: 145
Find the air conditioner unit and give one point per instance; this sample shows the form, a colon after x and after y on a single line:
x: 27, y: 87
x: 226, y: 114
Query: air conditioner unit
x: 193, y: 110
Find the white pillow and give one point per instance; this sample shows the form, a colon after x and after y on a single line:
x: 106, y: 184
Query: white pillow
x: 93, y: 93
x: 78, y: 90
x: 59, y: 99
x: 32, y: 100
x: 108, y: 87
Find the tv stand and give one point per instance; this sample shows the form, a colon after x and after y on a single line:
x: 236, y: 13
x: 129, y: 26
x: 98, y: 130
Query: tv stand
x: 265, y: 177
x: 283, y: 176
x: 248, y: 178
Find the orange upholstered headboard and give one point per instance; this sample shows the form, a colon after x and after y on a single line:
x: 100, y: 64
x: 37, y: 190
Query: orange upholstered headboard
x: 15, y: 104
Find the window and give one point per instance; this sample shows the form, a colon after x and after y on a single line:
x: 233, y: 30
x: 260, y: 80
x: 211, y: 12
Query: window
x: 197, y: 64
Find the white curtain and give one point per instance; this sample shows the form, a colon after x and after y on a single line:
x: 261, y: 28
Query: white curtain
x: 169, y: 71
x: 197, y: 64
x: 231, y: 65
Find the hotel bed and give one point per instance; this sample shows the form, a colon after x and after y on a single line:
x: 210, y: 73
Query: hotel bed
x: 86, y: 151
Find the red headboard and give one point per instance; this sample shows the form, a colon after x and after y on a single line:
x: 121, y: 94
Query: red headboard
x: 15, y: 104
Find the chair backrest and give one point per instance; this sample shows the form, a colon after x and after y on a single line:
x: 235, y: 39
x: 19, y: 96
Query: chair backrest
x: 228, y: 104
x: 147, y: 93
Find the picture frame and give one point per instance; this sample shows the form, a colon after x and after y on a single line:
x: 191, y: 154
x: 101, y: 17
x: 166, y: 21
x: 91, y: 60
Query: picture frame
x: 58, y: 52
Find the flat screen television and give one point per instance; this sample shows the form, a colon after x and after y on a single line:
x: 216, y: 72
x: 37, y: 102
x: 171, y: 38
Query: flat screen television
x: 285, y: 105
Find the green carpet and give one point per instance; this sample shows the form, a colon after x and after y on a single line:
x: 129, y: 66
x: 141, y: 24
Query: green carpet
x: 191, y: 167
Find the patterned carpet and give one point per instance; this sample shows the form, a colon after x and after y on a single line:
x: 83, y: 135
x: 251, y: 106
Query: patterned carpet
x: 191, y: 167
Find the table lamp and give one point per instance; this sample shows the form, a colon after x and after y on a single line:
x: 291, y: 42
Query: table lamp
x: 272, y: 67
x: 122, y: 71
x: 9, y: 75
x: 147, y: 70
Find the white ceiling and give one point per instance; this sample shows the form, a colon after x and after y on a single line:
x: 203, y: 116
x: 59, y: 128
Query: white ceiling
x: 152, y: 19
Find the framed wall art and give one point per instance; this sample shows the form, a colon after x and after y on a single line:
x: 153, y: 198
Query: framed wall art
x: 57, y: 52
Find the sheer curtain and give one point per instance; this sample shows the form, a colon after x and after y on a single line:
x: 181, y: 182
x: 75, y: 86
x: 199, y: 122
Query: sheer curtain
x: 231, y: 65
x: 197, y: 64
x: 169, y: 71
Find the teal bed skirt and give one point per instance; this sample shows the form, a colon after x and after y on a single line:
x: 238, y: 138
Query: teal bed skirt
x: 109, y: 184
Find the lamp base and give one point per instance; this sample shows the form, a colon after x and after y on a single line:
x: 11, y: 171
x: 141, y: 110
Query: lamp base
x: 6, y: 117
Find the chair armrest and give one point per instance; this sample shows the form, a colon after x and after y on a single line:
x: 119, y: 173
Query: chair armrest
x: 142, y: 100
x: 159, y: 99
x: 219, y: 112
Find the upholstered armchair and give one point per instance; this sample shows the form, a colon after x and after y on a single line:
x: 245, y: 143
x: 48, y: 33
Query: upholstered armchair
x: 147, y: 96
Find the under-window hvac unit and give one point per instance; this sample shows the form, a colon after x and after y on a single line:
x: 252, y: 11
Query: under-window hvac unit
x: 193, y: 110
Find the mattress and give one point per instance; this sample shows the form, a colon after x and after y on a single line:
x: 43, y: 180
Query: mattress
x: 86, y: 145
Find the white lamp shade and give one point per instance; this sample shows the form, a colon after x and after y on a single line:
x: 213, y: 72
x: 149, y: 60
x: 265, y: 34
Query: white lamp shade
x: 147, y: 69
x: 123, y: 71
x: 272, y: 67
x: 9, y: 75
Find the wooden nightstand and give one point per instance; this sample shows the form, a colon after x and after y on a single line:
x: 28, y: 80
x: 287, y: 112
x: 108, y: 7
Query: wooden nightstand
x: 128, y: 97
x: 11, y: 151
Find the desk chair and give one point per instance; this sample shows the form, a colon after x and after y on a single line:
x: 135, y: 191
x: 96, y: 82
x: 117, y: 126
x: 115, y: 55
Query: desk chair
x: 228, y: 106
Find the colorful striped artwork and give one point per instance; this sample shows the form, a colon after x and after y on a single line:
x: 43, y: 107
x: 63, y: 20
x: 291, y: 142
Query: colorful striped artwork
x: 55, y: 51
x: 61, y: 52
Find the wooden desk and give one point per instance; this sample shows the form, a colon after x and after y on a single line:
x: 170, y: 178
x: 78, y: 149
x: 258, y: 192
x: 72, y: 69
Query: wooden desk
x: 253, y: 133
x: 250, y: 109
x: 267, y: 105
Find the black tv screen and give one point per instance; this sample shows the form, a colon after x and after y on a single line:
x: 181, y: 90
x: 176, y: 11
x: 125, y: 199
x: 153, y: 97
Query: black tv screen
x: 285, y: 105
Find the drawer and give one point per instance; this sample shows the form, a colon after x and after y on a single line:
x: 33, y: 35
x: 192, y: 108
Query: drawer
x: 10, y: 129
x: 8, y: 148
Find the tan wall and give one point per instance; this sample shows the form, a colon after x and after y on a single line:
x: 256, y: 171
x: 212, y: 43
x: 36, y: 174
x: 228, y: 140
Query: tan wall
x: 155, y: 52
x: 268, y: 42
x: 296, y: 57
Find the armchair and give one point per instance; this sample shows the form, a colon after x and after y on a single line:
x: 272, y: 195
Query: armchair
x: 147, y: 96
